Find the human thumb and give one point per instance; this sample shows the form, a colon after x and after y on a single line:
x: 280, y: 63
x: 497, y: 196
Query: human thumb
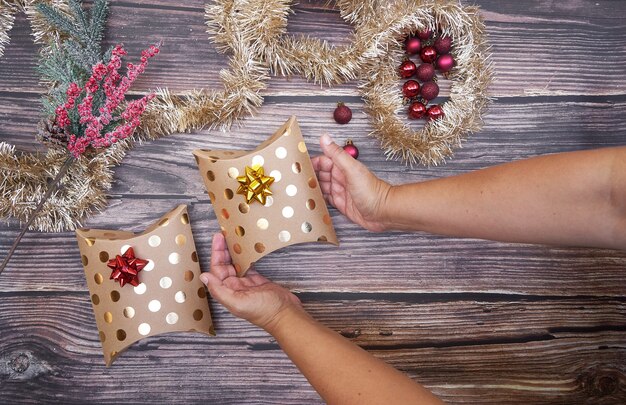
x: 340, y: 157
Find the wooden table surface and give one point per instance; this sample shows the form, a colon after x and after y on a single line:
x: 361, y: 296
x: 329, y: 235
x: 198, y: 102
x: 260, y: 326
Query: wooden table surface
x: 475, y: 321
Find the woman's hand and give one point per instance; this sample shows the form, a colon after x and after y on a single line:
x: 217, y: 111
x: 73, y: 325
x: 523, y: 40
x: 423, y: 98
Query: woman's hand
x: 252, y: 297
x: 350, y: 187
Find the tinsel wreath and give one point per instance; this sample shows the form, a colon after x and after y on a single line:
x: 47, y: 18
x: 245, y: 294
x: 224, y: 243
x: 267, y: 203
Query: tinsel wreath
x: 374, y: 51
x: 470, y: 79
x: 254, y: 33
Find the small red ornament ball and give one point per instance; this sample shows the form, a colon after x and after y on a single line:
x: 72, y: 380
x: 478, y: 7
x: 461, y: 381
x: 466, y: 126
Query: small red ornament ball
x: 411, y: 89
x: 445, y: 63
x: 435, y: 112
x: 417, y: 110
x: 430, y: 90
x: 443, y: 45
x: 407, y: 69
x: 342, y: 114
x: 425, y: 34
x: 428, y: 54
x: 425, y: 72
x: 412, y: 45
x: 351, y: 149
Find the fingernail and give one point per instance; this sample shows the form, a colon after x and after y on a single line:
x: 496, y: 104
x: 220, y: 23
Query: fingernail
x: 204, y: 278
x: 326, y: 139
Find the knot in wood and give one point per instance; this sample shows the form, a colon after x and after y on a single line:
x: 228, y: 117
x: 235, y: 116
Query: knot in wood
x: 601, y: 382
x: 605, y: 384
x: 20, y: 363
x: 350, y: 333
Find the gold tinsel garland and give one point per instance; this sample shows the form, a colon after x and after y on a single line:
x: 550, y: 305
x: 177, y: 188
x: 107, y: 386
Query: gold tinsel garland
x: 253, y: 32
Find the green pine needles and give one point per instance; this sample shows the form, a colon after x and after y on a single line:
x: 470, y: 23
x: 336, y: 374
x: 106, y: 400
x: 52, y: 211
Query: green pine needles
x: 71, y: 61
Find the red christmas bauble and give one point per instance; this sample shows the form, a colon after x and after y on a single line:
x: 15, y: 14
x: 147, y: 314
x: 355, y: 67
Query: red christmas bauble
x: 351, y: 149
x: 407, y: 69
x: 425, y: 72
x: 445, y: 63
x: 412, y: 45
x: 435, y: 112
x: 430, y: 90
x: 342, y: 114
x: 411, y: 89
x: 428, y: 54
x: 417, y: 110
x: 425, y: 34
x: 443, y: 45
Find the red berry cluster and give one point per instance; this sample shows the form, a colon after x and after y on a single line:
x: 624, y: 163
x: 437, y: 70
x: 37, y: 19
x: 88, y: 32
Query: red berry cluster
x: 434, y: 52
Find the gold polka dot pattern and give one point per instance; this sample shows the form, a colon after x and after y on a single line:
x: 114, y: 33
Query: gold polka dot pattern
x: 149, y: 266
x: 168, y: 296
x: 276, y: 175
x: 258, y: 160
x: 294, y: 213
x: 129, y: 312
x: 115, y: 295
x: 154, y: 241
x: 144, y: 329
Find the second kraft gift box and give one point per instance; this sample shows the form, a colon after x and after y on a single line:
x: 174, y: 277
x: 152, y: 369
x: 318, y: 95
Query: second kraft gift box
x: 267, y: 198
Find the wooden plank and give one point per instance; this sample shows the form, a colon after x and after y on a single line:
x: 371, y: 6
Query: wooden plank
x: 386, y: 322
x: 365, y: 262
x: 475, y: 321
x: 575, y: 368
x: 534, y: 51
x: 54, y: 342
x: 513, y: 130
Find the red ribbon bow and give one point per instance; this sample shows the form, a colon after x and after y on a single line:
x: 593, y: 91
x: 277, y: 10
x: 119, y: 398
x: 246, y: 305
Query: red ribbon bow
x: 126, y: 268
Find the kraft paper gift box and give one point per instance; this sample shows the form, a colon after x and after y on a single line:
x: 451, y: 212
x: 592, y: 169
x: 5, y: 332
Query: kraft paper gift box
x: 268, y: 198
x: 166, y: 295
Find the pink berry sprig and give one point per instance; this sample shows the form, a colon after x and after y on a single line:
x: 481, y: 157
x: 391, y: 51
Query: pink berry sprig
x: 102, y: 126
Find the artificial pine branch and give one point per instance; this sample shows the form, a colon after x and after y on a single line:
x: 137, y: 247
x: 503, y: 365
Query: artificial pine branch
x: 73, y: 60
x: 99, y: 14
x: 59, y: 68
x: 78, y: 55
x: 58, y: 20
x: 82, y: 47
x: 83, y: 27
x: 81, y: 17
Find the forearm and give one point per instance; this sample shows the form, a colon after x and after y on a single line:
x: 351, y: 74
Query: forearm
x: 341, y: 372
x: 575, y: 199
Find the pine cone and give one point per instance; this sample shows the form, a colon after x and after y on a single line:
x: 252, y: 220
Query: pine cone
x: 50, y: 133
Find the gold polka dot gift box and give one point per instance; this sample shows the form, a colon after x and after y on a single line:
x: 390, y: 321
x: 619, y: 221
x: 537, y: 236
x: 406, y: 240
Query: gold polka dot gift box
x: 268, y: 198
x: 144, y: 284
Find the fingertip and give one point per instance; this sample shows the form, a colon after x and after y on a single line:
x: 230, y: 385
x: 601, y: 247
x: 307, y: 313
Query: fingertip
x: 211, y: 279
x: 219, y: 291
x: 204, y: 277
x: 325, y: 140
x: 213, y: 283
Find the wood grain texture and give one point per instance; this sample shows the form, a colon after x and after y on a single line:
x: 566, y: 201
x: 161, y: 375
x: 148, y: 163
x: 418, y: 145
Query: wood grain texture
x: 539, y: 47
x: 476, y: 321
x: 413, y: 263
x: 549, y: 350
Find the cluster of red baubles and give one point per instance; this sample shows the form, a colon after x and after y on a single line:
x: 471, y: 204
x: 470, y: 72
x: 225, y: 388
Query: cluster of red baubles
x: 435, y: 55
